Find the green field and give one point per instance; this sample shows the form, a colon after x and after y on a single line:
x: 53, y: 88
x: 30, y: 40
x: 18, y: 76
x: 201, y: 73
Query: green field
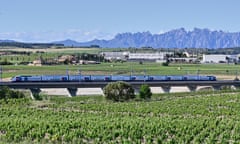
x: 126, y: 68
x: 211, y: 117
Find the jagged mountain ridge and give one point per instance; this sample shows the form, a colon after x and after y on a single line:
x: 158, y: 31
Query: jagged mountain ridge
x: 178, y: 38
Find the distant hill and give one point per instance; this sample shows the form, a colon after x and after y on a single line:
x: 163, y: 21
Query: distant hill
x: 27, y: 45
x: 6, y: 41
x: 178, y: 38
x: 68, y: 42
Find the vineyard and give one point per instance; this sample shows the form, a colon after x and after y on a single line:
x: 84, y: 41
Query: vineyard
x: 211, y: 117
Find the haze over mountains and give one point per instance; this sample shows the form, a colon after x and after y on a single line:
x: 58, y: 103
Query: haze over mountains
x: 178, y: 38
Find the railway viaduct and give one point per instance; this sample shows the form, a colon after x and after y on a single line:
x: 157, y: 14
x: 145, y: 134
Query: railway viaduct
x: 72, y: 87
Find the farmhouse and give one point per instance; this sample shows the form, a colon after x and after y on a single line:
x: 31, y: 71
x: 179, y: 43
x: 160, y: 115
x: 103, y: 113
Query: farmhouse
x: 64, y: 58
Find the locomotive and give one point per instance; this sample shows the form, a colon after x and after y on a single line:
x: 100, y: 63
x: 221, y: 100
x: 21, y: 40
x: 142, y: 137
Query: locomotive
x: 99, y: 78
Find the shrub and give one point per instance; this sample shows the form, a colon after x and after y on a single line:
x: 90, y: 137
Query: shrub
x: 165, y: 63
x: 6, y: 62
x: 6, y: 93
x: 119, y: 91
x: 145, y: 92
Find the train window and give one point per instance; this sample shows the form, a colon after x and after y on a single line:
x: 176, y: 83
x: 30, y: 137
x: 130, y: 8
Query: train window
x: 107, y: 78
x: 151, y: 78
x: 133, y: 78
x: 18, y: 78
x: 86, y: 78
x: 64, y: 79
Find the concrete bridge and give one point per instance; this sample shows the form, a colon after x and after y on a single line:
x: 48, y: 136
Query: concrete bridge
x: 72, y: 87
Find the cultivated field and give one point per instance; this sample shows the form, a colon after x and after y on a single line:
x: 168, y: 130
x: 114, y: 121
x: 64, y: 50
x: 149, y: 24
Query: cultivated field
x: 206, y: 117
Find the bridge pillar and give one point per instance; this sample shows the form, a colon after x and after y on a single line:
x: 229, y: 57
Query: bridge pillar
x: 166, y: 89
x: 216, y: 87
x: 192, y: 88
x: 34, y: 92
x: 72, y: 92
x: 234, y: 87
x: 136, y: 89
x: 102, y: 89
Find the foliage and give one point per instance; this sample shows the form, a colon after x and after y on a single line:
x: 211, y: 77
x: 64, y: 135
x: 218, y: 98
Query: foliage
x: 38, y: 97
x: 145, y: 92
x: 165, y: 63
x: 119, y: 91
x: 6, y: 93
x: 5, y: 62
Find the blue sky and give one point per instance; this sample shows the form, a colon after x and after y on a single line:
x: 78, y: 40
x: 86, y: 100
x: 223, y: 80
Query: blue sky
x: 84, y: 20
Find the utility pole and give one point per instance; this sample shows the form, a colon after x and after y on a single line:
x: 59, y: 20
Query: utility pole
x: 1, y: 72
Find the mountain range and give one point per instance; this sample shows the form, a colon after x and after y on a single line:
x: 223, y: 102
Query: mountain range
x: 178, y: 38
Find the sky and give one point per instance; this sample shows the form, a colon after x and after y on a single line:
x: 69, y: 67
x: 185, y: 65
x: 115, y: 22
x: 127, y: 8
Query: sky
x: 85, y: 20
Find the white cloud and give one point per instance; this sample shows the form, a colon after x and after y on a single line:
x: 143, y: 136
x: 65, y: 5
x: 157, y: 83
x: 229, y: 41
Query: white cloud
x: 50, y: 36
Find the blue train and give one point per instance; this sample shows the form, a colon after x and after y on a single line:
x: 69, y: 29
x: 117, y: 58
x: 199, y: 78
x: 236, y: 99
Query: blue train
x: 98, y: 78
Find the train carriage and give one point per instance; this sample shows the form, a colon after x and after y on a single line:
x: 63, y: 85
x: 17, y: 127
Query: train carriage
x: 120, y: 78
x: 54, y: 78
x: 27, y: 78
x: 156, y: 78
x: 96, y: 78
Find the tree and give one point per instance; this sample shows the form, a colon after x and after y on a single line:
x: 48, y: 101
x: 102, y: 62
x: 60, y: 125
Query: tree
x: 119, y: 91
x: 6, y: 93
x: 145, y: 92
x: 66, y: 61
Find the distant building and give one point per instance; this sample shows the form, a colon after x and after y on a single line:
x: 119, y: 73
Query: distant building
x: 220, y: 58
x: 88, y: 62
x: 36, y: 63
x: 64, y: 58
x: 135, y: 56
x: 115, y: 55
x: 187, y: 54
x: 146, y: 56
x: 184, y: 60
